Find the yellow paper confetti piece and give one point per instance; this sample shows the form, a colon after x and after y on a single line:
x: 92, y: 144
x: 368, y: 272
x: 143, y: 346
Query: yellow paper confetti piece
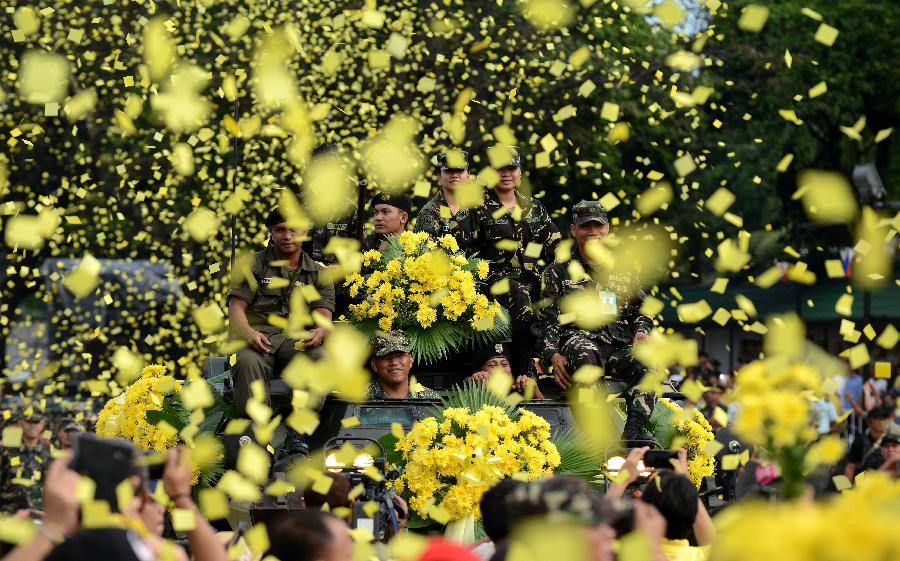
x: 695, y: 312
x: 183, y: 520
x: 844, y: 305
x: 858, y: 355
x: 84, y: 278
x: 213, y: 504
x: 819, y: 89
x: 753, y: 18
x: 350, y: 422
x: 826, y: 34
x: 720, y: 201
x: 12, y: 436
x: 841, y: 483
x: 883, y: 370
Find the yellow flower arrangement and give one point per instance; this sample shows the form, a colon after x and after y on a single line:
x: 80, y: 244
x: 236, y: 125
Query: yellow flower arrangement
x: 451, y: 462
x: 125, y: 416
x: 694, y: 434
x: 860, y: 524
x: 418, y: 284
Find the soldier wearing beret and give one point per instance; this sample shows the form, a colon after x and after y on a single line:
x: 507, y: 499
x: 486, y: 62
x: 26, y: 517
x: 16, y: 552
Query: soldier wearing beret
x: 510, y: 216
x: 22, y: 467
x: 499, y: 356
x: 442, y: 215
x: 391, y: 361
x: 267, y: 284
x: 567, y: 347
x: 390, y: 215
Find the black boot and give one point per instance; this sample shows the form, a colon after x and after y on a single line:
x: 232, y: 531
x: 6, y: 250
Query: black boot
x: 293, y: 448
x: 640, y: 408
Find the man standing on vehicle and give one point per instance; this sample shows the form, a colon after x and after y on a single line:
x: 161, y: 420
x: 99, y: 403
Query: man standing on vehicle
x: 391, y: 361
x: 510, y: 217
x: 442, y: 215
x: 567, y: 347
x: 278, y: 279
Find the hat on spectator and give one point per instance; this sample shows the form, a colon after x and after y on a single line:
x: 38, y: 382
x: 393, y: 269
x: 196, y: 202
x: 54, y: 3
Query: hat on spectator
x: 391, y: 342
x: 589, y: 211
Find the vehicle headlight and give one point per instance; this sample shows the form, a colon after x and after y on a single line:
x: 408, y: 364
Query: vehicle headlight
x: 362, y: 461
x: 614, y: 466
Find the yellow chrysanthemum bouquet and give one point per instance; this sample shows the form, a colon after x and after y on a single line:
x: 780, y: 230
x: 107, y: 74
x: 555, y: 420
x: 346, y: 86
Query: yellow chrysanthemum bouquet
x: 158, y: 412
x: 430, y: 290
x: 675, y: 427
x: 452, y: 460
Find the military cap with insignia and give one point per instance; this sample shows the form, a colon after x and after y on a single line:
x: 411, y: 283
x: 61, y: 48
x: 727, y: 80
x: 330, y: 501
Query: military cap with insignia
x: 486, y: 353
x: 589, y: 211
x: 390, y: 342
x: 398, y: 201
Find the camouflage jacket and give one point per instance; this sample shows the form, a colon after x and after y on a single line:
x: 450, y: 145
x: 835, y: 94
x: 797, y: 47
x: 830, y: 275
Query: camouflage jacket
x: 374, y: 392
x: 494, y: 222
x: 557, y: 283
x: 22, y: 472
x: 374, y: 241
x: 270, y: 298
x: 460, y: 225
x: 318, y: 238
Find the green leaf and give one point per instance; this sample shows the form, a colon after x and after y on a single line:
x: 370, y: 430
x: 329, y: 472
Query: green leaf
x: 574, y: 458
x: 154, y: 418
x: 473, y: 396
x: 662, y: 425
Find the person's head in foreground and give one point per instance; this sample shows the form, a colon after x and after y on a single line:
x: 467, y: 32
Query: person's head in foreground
x: 675, y: 497
x: 556, y: 518
x: 309, y: 535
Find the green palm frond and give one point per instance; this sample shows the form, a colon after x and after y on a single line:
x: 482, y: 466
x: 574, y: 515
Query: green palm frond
x: 475, y: 395
x: 574, y: 457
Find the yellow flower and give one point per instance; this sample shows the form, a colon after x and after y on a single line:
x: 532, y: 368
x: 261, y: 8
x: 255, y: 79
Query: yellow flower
x: 448, y: 242
x: 482, y: 268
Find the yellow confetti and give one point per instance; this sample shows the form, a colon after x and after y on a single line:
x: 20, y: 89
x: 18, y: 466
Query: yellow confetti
x: 826, y: 34
x: 753, y: 18
x: 43, y: 77
x: 826, y: 196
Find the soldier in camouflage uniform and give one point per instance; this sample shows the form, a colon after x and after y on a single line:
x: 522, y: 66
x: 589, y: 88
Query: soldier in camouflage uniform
x: 391, y: 362
x: 390, y: 215
x: 567, y: 347
x: 441, y: 215
x: 266, y: 290
x: 509, y: 215
x: 22, y: 468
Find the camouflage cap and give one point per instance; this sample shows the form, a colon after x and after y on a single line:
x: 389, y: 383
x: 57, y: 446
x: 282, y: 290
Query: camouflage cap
x: 515, y: 159
x: 453, y: 159
x: 589, y: 211
x: 30, y: 413
x: 390, y: 342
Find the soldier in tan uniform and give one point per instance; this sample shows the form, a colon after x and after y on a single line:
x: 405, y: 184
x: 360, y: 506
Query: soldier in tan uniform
x: 275, y: 273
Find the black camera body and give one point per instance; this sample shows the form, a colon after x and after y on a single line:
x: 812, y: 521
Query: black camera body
x: 384, y: 524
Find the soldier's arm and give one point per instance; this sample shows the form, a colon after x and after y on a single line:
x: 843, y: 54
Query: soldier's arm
x: 548, y: 314
x: 633, y: 316
x: 237, y: 316
x: 549, y: 238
